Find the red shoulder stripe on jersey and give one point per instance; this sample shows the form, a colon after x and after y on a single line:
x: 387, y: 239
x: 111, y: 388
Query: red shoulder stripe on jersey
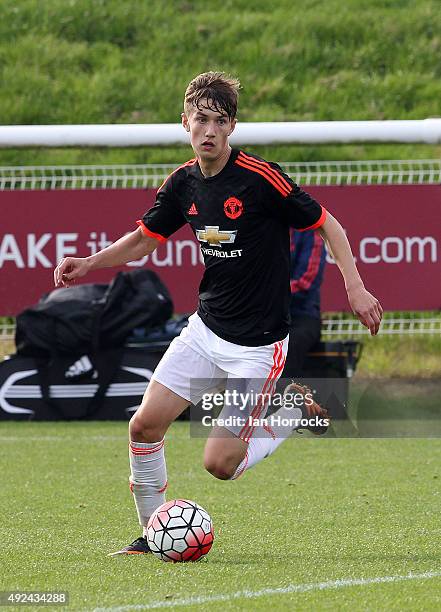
x: 263, y: 173
x: 274, y: 171
x: 190, y: 162
x: 146, y: 231
x: 318, y: 223
x: 266, y: 168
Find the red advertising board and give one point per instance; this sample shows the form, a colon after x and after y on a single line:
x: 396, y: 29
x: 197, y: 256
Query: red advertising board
x: 394, y: 230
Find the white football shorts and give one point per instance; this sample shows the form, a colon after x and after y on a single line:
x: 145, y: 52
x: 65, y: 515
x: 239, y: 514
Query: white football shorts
x: 198, y: 363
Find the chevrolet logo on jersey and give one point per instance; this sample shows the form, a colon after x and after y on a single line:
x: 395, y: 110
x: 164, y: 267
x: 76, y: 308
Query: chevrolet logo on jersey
x: 215, y: 237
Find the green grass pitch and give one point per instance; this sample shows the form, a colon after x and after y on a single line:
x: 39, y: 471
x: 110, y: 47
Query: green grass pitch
x: 317, y: 511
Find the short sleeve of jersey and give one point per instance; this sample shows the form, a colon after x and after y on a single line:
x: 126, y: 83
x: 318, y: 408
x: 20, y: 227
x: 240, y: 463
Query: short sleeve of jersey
x: 282, y: 197
x: 165, y: 217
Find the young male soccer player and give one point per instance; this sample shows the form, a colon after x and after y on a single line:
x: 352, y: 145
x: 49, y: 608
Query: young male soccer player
x: 240, y: 208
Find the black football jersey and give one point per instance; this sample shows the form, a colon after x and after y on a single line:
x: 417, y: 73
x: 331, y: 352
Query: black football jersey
x: 241, y: 218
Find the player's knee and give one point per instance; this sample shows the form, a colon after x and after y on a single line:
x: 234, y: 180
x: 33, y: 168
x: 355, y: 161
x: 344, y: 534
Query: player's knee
x: 219, y: 468
x: 141, y: 430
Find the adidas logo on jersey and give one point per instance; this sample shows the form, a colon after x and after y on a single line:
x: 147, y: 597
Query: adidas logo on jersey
x: 193, y: 210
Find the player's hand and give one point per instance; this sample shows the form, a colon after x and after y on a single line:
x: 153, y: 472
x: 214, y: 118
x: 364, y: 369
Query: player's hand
x: 69, y: 269
x: 367, y: 308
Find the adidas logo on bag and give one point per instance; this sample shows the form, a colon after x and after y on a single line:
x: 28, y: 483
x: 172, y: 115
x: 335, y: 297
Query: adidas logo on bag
x: 80, y: 367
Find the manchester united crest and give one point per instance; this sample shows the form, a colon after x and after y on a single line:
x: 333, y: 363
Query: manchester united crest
x: 233, y: 208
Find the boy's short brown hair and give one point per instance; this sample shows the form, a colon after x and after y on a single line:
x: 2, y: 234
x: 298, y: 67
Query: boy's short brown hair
x: 219, y: 89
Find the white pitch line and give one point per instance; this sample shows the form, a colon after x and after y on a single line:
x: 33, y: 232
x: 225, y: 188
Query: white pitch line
x: 292, y: 588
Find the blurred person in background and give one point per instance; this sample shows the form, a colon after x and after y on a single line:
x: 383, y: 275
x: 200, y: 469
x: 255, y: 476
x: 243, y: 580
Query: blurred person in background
x: 308, y: 258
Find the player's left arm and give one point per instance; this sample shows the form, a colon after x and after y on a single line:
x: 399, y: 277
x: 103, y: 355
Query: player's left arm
x: 282, y: 197
x: 364, y: 305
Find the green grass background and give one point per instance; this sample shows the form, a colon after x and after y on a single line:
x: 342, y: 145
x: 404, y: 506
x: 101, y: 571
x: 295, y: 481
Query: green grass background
x: 76, y: 61
x: 318, y: 510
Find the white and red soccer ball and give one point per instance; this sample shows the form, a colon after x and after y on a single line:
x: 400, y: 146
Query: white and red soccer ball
x: 180, y: 530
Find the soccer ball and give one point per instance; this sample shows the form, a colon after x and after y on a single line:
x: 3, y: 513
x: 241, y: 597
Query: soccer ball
x: 180, y: 530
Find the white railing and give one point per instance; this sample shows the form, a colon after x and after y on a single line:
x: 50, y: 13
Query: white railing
x: 394, y: 324
x: 7, y: 332
x: 375, y: 172
x: 84, y: 177
x: 388, y: 172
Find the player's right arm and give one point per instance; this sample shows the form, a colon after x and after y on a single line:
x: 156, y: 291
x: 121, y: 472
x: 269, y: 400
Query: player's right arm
x: 131, y: 247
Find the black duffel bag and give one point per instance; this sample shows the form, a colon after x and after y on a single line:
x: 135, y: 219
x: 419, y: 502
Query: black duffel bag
x: 85, y: 318
x: 92, y: 320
